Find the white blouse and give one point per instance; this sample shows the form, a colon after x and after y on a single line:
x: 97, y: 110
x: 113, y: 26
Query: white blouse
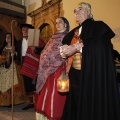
x: 24, y: 46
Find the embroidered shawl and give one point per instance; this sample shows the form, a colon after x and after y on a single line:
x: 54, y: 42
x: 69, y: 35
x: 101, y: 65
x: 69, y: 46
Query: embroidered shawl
x: 50, y: 59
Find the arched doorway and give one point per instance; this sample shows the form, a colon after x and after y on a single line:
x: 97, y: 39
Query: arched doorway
x: 44, y: 17
x: 45, y: 32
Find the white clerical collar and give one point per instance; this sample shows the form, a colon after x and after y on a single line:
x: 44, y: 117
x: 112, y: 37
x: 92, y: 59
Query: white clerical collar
x: 80, y: 29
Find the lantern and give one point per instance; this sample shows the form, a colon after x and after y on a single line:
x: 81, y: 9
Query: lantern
x: 63, y: 83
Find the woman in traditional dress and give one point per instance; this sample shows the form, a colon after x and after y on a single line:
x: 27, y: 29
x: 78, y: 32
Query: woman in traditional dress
x: 49, y: 102
x: 6, y: 77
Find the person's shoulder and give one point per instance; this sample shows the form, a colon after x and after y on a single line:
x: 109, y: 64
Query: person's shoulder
x: 104, y: 28
x: 100, y: 23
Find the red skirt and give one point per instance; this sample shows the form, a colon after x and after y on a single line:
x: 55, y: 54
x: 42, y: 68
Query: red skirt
x: 50, y: 102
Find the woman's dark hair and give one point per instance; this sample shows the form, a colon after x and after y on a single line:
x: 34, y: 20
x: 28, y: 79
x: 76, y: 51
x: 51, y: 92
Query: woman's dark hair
x: 7, y: 63
x: 5, y: 43
x: 67, y: 23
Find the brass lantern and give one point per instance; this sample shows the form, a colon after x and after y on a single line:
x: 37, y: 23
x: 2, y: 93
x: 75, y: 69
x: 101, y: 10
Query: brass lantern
x: 63, y: 83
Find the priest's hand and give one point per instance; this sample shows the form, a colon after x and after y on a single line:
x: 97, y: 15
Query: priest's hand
x: 71, y: 49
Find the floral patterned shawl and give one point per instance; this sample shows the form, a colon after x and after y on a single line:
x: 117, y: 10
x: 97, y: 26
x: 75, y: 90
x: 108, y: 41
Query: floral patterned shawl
x: 50, y: 59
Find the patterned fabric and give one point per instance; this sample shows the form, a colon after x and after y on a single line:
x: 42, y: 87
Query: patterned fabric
x: 5, y: 86
x: 77, y: 61
x: 50, y: 59
x: 70, y: 59
x: 30, y: 64
x: 6, y: 80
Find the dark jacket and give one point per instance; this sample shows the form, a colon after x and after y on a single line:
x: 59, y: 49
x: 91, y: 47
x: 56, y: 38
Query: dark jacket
x: 98, y: 85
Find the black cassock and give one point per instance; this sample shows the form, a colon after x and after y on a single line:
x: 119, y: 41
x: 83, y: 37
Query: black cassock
x: 98, y: 92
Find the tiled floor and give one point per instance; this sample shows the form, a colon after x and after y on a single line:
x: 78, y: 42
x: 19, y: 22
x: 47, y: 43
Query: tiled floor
x: 18, y: 114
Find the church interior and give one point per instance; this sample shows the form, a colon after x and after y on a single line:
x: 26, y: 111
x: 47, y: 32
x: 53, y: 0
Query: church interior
x: 42, y: 15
